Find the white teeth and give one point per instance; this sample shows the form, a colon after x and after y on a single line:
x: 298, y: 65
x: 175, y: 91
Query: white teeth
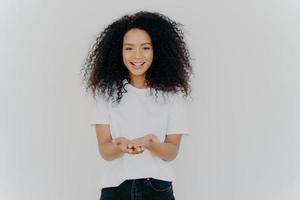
x: 138, y: 63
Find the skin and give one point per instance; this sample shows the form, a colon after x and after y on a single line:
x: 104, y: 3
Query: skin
x: 137, y: 48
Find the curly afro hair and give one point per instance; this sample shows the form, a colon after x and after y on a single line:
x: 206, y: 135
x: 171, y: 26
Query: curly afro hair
x: 170, y: 70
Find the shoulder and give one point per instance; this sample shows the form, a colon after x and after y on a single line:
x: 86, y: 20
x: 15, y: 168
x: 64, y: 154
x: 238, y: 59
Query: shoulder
x: 101, y: 100
x: 179, y: 98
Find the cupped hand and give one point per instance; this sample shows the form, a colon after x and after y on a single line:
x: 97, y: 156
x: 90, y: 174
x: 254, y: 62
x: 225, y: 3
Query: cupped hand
x: 145, y: 141
x: 127, y: 146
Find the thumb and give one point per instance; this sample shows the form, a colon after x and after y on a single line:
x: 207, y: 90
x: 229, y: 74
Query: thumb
x: 115, y: 141
x: 153, y: 138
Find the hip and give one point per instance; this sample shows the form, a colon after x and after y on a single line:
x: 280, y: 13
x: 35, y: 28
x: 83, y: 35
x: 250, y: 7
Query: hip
x: 144, y: 188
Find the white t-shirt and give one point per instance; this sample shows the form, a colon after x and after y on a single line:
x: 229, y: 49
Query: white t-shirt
x: 138, y: 114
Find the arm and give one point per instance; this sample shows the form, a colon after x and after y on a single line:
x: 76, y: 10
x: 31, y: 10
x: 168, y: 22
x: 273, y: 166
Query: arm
x: 112, y: 149
x: 107, y: 149
x: 166, y: 151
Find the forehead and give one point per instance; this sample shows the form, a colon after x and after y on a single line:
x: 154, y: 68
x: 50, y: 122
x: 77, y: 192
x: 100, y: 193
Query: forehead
x: 136, y: 36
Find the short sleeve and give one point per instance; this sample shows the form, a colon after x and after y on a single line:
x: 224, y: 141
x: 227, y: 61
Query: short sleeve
x: 178, y: 121
x: 99, y: 111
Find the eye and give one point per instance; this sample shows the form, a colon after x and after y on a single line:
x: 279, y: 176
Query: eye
x: 128, y: 48
x: 146, y: 48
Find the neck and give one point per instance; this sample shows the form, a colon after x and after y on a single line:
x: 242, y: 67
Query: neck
x: 138, y: 82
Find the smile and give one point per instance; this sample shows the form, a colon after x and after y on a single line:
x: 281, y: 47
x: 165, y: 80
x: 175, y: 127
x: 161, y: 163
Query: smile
x: 137, y: 65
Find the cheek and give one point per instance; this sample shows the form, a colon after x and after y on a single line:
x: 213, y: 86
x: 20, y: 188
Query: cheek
x: 149, y: 56
x: 125, y: 57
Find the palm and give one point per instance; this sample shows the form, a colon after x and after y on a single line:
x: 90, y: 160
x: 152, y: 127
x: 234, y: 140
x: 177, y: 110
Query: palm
x: 127, y: 146
x: 137, y: 145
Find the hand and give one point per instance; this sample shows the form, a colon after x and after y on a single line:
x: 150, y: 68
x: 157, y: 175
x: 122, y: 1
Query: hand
x: 127, y: 146
x: 145, y: 141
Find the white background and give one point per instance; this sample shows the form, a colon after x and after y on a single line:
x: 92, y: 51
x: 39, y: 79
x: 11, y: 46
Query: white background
x: 245, y: 117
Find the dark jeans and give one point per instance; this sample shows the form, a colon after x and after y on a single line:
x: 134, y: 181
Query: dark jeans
x: 140, y: 189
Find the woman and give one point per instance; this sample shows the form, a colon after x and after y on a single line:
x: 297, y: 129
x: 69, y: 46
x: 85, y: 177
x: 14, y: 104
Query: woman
x: 139, y: 134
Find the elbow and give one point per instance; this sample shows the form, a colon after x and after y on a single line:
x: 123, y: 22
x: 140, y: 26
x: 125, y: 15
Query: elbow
x: 107, y: 159
x: 104, y: 156
x: 171, y: 157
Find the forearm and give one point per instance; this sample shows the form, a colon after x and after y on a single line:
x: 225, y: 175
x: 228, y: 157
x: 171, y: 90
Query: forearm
x: 165, y: 151
x: 110, y: 151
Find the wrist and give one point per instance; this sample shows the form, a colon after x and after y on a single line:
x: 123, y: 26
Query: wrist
x: 151, y: 140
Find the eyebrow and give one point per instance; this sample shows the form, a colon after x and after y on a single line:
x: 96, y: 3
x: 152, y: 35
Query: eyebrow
x: 133, y: 44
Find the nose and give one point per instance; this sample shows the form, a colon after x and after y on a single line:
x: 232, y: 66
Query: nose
x: 137, y: 54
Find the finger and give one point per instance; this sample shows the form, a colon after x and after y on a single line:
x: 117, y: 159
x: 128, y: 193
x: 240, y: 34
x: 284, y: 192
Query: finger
x: 139, y: 150
x: 137, y: 146
x: 134, y: 151
x: 142, y: 147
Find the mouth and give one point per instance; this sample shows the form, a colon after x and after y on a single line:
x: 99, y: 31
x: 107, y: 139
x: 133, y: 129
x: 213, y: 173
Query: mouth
x: 137, y: 65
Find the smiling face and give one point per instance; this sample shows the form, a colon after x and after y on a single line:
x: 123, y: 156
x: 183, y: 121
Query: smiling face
x: 137, y: 53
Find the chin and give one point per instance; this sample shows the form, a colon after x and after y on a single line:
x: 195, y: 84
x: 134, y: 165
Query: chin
x: 138, y: 72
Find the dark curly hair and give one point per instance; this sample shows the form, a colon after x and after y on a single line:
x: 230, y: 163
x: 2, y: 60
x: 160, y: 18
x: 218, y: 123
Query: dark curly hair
x: 170, y: 70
